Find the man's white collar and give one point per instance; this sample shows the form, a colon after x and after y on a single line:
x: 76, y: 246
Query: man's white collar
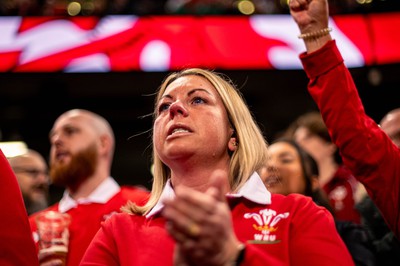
x: 102, y: 194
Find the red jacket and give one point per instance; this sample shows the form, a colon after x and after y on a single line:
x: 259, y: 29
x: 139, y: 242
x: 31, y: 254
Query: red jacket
x: 366, y: 150
x: 341, y: 191
x: 288, y: 230
x: 16, y: 243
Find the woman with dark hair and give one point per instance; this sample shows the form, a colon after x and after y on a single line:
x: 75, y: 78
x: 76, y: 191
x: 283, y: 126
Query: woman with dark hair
x: 291, y: 170
x: 306, y: 173
x: 340, y: 186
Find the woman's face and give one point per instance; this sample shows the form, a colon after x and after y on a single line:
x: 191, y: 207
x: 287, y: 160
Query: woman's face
x: 284, y: 174
x: 191, y: 122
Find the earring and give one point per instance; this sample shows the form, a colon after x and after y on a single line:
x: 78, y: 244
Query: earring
x: 234, y: 143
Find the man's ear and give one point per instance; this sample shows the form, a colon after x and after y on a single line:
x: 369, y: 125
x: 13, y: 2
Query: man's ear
x: 105, y: 144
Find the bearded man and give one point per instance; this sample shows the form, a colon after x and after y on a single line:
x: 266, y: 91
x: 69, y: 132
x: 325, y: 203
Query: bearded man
x: 81, y: 154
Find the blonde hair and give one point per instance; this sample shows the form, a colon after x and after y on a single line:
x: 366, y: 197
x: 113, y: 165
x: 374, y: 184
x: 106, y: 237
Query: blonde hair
x: 251, y: 151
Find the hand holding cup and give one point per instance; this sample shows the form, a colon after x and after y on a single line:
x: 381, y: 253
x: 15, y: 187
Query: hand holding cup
x: 53, y: 234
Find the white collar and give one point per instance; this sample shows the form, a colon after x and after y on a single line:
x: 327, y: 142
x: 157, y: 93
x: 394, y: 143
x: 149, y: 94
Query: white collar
x: 105, y: 191
x: 253, y: 190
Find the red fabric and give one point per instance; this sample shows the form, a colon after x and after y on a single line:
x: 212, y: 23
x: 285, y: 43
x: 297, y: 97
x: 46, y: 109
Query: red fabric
x: 16, y: 243
x: 87, y: 218
x: 340, y: 190
x: 366, y: 150
x: 290, y: 231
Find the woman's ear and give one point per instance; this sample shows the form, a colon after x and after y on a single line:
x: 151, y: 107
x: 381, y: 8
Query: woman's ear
x: 315, y: 183
x: 232, y: 144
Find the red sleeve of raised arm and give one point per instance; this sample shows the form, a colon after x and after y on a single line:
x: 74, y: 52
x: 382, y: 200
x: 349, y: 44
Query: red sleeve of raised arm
x: 366, y: 150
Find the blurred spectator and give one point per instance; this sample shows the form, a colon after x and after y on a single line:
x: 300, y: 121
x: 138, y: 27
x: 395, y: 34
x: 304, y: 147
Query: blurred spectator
x: 290, y: 169
x: 390, y: 123
x: 387, y: 246
x: 310, y: 132
x: 81, y: 155
x: 30, y: 169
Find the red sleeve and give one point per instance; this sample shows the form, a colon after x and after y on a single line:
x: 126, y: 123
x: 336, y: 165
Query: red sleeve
x: 366, y: 150
x: 16, y: 243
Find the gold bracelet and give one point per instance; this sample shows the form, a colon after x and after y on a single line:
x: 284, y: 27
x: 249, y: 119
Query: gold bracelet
x: 315, y: 34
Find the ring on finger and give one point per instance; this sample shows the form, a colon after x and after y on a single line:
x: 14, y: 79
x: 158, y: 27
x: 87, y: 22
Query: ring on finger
x: 193, y: 229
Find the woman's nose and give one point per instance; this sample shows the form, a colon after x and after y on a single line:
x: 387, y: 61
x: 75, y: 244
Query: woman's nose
x: 271, y: 166
x: 177, y: 108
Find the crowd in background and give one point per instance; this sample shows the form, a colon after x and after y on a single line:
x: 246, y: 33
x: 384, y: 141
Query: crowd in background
x: 327, y: 156
x: 165, y: 7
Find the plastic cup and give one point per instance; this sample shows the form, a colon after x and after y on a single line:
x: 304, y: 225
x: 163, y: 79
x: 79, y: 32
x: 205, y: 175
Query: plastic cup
x: 53, y: 234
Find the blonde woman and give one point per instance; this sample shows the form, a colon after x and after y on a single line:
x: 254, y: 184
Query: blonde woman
x: 208, y: 205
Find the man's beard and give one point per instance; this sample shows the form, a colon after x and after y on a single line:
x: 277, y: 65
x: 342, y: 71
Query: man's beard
x: 35, y: 203
x: 80, y: 168
x: 35, y: 206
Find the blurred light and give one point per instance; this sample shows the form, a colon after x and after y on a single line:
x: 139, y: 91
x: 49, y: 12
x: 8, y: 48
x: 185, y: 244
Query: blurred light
x: 284, y: 3
x: 364, y: 2
x: 88, y: 8
x: 246, y: 7
x: 74, y: 8
x: 375, y: 77
x: 13, y: 148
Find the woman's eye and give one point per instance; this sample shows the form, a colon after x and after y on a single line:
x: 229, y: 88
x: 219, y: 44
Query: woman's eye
x: 286, y: 160
x: 163, y: 107
x: 198, y: 100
